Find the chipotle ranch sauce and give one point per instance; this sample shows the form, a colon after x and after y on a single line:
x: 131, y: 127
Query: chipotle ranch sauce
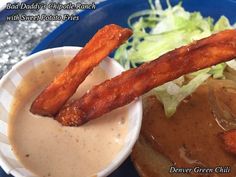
x: 48, y: 149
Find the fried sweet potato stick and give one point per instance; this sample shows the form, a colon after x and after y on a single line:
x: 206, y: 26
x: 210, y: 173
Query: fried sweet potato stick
x: 229, y: 140
x: 65, y: 84
x: 124, y: 88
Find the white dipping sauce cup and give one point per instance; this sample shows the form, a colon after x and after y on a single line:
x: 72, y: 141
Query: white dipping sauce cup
x: 10, y: 82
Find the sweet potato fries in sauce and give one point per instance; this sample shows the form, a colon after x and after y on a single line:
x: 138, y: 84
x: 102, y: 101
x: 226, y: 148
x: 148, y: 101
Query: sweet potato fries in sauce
x: 49, y: 102
x: 131, y: 84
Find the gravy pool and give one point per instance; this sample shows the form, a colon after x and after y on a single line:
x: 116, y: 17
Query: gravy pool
x: 48, y: 149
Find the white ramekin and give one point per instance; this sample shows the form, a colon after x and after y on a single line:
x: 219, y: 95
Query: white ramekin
x: 8, y: 84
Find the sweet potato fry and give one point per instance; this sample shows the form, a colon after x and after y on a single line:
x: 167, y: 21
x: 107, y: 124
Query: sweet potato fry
x: 124, y: 88
x: 229, y: 140
x: 65, y: 84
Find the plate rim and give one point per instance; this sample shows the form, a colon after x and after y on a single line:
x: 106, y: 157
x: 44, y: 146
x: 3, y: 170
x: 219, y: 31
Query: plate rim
x: 65, y: 25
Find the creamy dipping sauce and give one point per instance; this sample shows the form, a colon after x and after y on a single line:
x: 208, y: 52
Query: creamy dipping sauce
x: 48, y: 149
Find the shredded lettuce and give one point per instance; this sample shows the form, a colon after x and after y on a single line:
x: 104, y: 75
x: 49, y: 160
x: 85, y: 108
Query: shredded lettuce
x: 157, y: 31
x: 222, y: 24
x: 171, y: 99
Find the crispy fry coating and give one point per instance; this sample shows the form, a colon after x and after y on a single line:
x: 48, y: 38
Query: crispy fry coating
x: 229, y: 140
x: 65, y: 84
x: 124, y: 88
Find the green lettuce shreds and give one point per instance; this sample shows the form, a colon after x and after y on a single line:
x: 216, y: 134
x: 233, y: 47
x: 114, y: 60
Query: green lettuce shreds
x: 157, y: 31
x: 222, y: 24
x: 170, y: 94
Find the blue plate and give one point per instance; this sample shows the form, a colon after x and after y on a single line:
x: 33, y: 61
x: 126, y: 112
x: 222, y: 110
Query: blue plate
x: 77, y: 33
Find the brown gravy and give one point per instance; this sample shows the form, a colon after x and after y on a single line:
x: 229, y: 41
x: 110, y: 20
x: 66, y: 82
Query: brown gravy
x: 190, y: 137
